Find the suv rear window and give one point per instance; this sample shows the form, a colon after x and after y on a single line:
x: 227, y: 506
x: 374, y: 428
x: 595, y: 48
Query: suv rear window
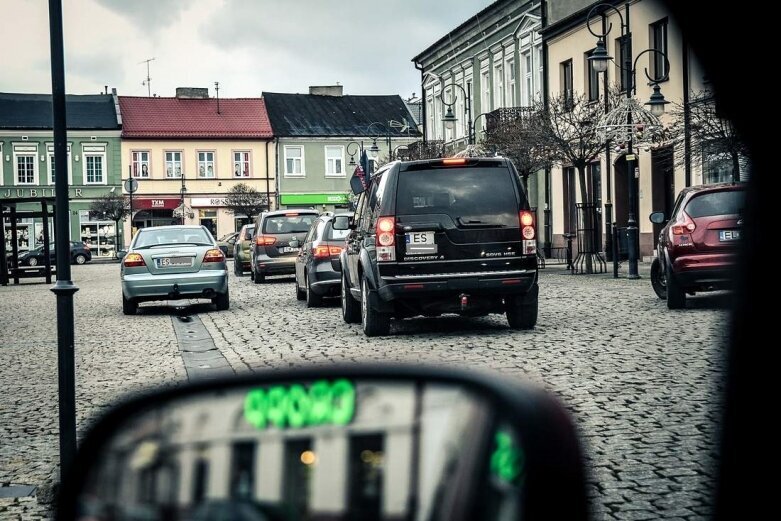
x: 292, y: 223
x: 476, y: 195
x: 728, y: 202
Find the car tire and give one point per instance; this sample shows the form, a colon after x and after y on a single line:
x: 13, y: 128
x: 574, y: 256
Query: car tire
x: 80, y: 259
x: 222, y: 301
x: 522, y: 310
x: 129, y: 307
x: 658, y: 280
x: 300, y: 293
x: 32, y: 261
x: 257, y: 278
x: 373, y: 322
x: 312, y: 300
x: 676, y: 295
x: 237, y: 268
x: 351, y: 310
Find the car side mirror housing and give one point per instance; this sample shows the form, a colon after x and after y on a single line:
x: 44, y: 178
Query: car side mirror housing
x: 657, y: 218
x: 456, y: 441
x: 121, y: 254
x: 356, y: 185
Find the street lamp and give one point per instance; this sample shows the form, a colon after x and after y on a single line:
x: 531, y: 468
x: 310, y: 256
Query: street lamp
x: 628, y: 119
x: 182, y: 192
x: 449, y: 119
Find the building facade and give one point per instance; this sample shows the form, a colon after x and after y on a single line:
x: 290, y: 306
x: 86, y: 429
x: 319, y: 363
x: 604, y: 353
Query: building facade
x: 319, y: 137
x: 27, y: 168
x: 661, y: 171
x: 187, y: 152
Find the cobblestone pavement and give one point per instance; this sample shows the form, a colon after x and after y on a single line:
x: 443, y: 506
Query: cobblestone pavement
x: 642, y: 382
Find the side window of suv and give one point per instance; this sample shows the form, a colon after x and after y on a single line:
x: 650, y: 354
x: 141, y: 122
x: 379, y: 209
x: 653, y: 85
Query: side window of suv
x: 376, y: 199
x: 359, y: 207
x: 367, y: 221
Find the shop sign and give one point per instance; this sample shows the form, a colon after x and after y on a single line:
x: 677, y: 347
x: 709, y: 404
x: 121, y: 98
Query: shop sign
x: 326, y: 198
x: 37, y: 192
x: 208, y: 201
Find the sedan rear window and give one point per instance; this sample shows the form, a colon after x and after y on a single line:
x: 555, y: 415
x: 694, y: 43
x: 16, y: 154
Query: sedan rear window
x: 467, y: 195
x: 292, y: 223
x: 728, y: 202
x: 169, y: 237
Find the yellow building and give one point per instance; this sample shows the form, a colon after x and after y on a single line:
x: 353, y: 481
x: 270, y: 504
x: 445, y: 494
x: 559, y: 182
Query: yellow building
x: 185, y: 153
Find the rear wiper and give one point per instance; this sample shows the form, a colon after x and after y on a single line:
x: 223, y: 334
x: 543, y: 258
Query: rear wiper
x: 476, y: 223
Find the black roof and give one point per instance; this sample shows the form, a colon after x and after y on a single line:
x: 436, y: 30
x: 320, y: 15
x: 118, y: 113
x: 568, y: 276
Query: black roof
x: 312, y: 115
x: 34, y: 112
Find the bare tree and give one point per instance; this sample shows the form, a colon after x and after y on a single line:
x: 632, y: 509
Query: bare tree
x: 243, y: 199
x: 111, y: 207
x: 711, y: 134
x: 430, y: 149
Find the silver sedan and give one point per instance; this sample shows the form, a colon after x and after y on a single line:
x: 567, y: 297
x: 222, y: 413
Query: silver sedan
x: 174, y: 262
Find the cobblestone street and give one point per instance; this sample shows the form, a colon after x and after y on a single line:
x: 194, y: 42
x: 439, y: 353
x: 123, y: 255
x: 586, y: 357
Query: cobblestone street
x: 642, y: 382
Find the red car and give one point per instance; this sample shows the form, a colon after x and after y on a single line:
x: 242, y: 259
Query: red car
x: 698, y: 244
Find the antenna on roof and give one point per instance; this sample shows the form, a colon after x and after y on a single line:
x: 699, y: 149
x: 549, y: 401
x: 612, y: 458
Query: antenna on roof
x: 148, y: 80
x: 217, y: 89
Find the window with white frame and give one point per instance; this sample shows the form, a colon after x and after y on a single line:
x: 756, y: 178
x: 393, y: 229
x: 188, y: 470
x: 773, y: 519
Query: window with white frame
x: 206, y: 164
x: 294, y: 161
x: 448, y: 97
x: 485, y: 91
x: 538, y: 65
x: 460, y: 112
x: 334, y: 161
x: 94, y: 169
x: 509, y: 72
x: 173, y: 165
x: 430, y: 116
x: 139, y: 160
x: 438, y: 116
x: 498, y: 86
x: 25, y: 169
x: 527, y: 92
x: 50, y: 164
x: 241, y: 163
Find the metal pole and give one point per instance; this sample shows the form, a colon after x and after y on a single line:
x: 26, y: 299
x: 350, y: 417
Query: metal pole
x: 469, y: 128
x: 64, y: 288
x: 130, y: 182
x: 608, y: 168
x: 614, y: 247
x: 631, y: 224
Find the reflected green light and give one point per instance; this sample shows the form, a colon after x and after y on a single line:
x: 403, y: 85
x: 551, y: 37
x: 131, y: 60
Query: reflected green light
x: 507, y: 459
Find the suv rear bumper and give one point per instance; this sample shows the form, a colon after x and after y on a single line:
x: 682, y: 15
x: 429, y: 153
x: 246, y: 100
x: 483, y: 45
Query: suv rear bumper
x: 704, y: 269
x: 478, y: 284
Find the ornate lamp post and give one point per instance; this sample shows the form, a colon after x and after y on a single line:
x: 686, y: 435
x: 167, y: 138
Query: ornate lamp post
x: 450, y: 119
x: 629, y: 122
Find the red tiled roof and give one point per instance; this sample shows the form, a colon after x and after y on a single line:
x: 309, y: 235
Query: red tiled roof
x: 194, y: 118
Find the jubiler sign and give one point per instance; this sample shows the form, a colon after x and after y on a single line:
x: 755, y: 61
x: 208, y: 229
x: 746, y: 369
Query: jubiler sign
x: 36, y: 192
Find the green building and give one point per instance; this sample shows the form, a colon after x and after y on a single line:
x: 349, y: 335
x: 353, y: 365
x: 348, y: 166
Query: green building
x: 27, y: 168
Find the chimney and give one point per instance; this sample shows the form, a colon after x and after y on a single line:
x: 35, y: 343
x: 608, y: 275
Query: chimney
x: 192, y: 93
x: 327, y: 90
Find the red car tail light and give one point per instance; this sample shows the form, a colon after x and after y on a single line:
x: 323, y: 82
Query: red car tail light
x: 454, y: 161
x: 133, y: 260
x: 683, y: 225
x: 214, y: 255
x: 265, y: 240
x: 385, y: 240
x: 527, y: 225
x: 323, y: 252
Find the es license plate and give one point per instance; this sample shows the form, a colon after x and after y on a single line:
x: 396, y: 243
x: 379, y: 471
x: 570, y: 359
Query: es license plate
x: 421, y: 242
x: 287, y: 249
x: 175, y: 261
x: 729, y: 235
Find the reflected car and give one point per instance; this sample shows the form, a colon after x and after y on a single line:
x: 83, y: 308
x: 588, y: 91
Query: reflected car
x: 172, y: 263
x: 242, y: 250
x: 316, y: 274
x: 697, y: 248
x: 80, y: 254
x: 272, y: 253
x: 226, y: 242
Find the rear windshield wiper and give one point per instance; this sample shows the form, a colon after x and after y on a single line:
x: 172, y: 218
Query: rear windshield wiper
x: 476, y: 223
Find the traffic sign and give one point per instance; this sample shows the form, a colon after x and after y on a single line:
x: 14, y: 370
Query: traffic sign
x: 131, y: 185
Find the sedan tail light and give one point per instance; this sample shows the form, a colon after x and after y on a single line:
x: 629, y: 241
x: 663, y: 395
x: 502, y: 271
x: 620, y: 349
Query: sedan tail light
x: 265, y: 240
x: 385, y: 239
x: 683, y: 225
x: 133, y: 260
x: 324, y: 252
x: 214, y: 255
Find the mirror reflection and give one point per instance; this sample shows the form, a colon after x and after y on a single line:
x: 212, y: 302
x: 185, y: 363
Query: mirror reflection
x: 326, y: 449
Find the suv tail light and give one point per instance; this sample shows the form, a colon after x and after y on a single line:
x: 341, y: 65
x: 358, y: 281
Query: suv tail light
x: 683, y: 225
x: 385, y: 239
x: 323, y: 252
x: 133, y: 260
x: 528, y: 233
x: 265, y: 240
x: 214, y: 255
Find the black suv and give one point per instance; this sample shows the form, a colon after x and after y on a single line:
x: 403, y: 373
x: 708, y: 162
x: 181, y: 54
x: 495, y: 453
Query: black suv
x: 440, y: 236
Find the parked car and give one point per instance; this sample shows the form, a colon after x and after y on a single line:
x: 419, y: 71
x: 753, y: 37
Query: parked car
x: 440, y: 236
x: 242, y: 250
x: 173, y: 262
x: 80, y: 254
x: 316, y: 275
x: 272, y: 253
x: 226, y: 242
x: 698, y: 245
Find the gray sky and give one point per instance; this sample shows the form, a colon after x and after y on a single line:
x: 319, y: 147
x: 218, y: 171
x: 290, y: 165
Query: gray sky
x: 247, y: 45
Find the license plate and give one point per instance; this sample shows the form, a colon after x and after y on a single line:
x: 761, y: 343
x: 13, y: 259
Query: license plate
x: 729, y: 235
x: 421, y: 242
x: 287, y: 249
x: 166, y: 262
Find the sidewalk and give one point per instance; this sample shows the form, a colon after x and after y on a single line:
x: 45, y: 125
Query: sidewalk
x: 643, y: 269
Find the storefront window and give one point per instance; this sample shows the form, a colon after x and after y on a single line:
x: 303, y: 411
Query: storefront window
x: 208, y: 218
x: 243, y: 470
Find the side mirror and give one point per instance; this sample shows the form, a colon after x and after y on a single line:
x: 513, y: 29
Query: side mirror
x: 657, y: 218
x: 224, y: 250
x: 341, y: 222
x: 333, y: 440
x: 121, y: 254
x: 356, y: 185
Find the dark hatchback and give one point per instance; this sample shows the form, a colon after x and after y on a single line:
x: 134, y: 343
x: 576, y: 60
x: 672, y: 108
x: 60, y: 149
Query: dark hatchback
x: 698, y: 245
x: 440, y: 236
x: 316, y: 275
x: 80, y: 254
x: 272, y: 253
